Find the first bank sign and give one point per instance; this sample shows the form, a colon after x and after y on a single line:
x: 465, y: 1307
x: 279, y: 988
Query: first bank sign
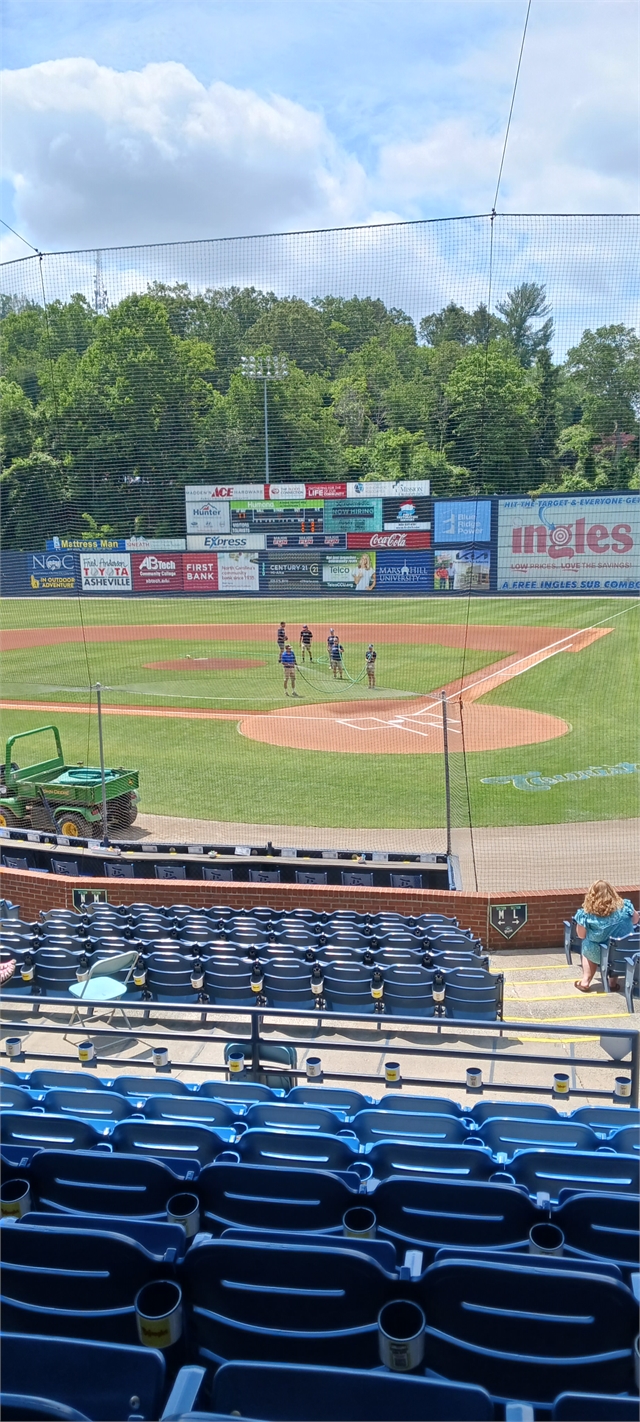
x: 574, y: 544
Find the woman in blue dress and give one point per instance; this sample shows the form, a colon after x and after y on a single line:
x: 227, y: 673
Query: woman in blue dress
x: 603, y: 915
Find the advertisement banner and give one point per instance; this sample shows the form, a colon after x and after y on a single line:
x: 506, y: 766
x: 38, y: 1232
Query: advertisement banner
x: 208, y: 516
x: 396, y: 489
x: 307, y: 540
x: 200, y: 575
x: 326, y: 491
x: 408, y: 539
x: 408, y: 512
x: 155, y: 545
x: 53, y: 572
x: 290, y: 573
x: 238, y: 572
x: 284, y: 491
x: 462, y: 520
x: 105, y: 572
x: 279, y: 515
x: 204, y: 493
x: 85, y: 544
x: 152, y: 571
x: 462, y: 569
x: 353, y: 516
x: 404, y: 572
x: 355, y: 572
x: 579, y: 543
x: 198, y: 542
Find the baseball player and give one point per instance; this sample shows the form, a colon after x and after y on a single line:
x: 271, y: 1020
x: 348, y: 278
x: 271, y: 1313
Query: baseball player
x: 288, y: 659
x: 370, y: 658
x: 335, y: 657
x: 306, y: 638
x: 281, y: 637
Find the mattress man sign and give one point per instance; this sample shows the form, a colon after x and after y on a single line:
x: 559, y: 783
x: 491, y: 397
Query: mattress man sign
x: 105, y: 572
x: 574, y: 544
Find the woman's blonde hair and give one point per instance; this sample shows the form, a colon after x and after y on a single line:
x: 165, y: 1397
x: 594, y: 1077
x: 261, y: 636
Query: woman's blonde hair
x: 602, y: 899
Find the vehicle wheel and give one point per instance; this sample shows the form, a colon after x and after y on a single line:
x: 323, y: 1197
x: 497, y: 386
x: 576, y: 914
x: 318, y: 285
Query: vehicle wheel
x: 75, y: 826
x: 7, y: 819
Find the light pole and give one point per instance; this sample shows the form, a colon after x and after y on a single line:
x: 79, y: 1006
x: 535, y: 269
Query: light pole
x: 265, y: 368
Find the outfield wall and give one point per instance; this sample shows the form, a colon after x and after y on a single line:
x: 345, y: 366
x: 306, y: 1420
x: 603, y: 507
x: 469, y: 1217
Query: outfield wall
x: 406, y: 545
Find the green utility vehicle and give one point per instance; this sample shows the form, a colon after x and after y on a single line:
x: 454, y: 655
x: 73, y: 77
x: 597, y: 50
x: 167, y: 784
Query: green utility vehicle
x: 70, y: 794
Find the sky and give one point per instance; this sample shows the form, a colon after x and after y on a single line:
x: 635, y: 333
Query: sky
x: 137, y: 121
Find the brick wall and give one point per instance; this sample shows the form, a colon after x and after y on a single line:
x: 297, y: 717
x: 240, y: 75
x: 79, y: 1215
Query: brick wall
x: 546, y: 909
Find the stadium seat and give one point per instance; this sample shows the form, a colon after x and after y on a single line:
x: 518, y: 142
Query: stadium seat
x: 620, y: 958
x: 285, y: 1392
x: 606, y: 1120
x: 551, y: 1172
x: 45, y: 1079
x: 431, y: 1105
x: 289, y: 985
x: 345, y: 1103
x: 72, y: 1283
x: 139, y: 1088
x: 168, y: 1141
x: 522, y: 1111
x: 15, y: 1098
x: 456, y: 1162
x: 408, y: 990
x: 310, y: 1151
x: 348, y: 988
x: 594, y: 1407
x: 92, y: 1183
x: 626, y: 1141
x: 11, y: 1078
x: 285, y: 1303
x: 229, y: 982
x: 239, y: 1094
x: 601, y: 1227
x: 26, y: 1131
x: 94, y: 1380
x: 261, y: 1197
x: 473, y: 992
x: 192, y: 1110
x: 505, y: 1138
x: 286, y: 1116
x: 372, y: 1126
x: 97, y: 1107
x: 429, y: 1214
x: 554, y: 1327
x: 167, y: 1242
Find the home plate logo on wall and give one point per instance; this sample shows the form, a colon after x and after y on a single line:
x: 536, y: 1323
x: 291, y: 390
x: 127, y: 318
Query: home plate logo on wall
x: 508, y: 918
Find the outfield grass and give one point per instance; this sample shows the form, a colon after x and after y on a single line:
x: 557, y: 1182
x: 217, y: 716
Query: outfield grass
x: 207, y: 770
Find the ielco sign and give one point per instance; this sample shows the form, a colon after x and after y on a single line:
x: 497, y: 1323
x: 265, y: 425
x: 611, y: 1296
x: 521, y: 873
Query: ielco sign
x: 421, y: 539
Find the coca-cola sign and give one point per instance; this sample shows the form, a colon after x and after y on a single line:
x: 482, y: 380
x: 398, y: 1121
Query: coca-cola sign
x: 417, y: 539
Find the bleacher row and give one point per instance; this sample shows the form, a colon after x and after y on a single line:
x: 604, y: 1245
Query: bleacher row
x: 313, y: 1214
x: 302, y: 960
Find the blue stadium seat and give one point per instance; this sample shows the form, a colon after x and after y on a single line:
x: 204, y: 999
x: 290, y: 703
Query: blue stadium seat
x: 168, y: 1141
x: 229, y: 982
x: 408, y: 989
x: 239, y: 1094
x: 430, y: 1214
x: 552, y: 1172
x: 285, y: 1303
x: 620, y: 958
x: 193, y: 1110
x: 97, y: 1107
x: 345, y: 1103
x: 504, y: 1138
x: 523, y: 1332
x: 473, y: 992
x: 310, y: 1151
x: 348, y: 988
x: 601, y: 1227
x: 284, y: 1392
x: 594, y: 1407
x: 43, y: 1080
x: 95, y: 1380
x: 27, y: 1131
x: 72, y: 1283
x: 260, y: 1197
x: 16, y: 1098
x: 373, y: 1126
x: 11, y: 1078
x: 285, y: 1116
x: 522, y: 1111
x: 289, y: 985
x: 605, y: 1120
x: 140, y: 1088
x: 407, y: 1158
x: 166, y: 1242
x: 90, y: 1183
x: 626, y: 1141
x: 431, y: 1105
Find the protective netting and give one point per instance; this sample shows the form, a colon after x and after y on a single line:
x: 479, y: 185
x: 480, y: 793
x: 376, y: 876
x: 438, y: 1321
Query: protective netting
x: 423, y: 436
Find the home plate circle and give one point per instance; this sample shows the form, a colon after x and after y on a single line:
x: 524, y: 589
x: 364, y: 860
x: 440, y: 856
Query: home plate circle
x: 402, y: 728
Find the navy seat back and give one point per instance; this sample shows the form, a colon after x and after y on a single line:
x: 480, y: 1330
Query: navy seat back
x: 399, y: 1157
x: 286, y: 1116
x: 594, y: 1407
x: 430, y: 1214
x: 288, y: 985
x: 92, y: 1183
x: 167, y: 1140
x: 507, y: 1137
x: 551, y: 1172
x: 260, y: 1197
x: 288, y: 1392
x: 626, y: 1141
x: 555, y: 1327
x: 431, y: 1105
x: 288, y: 1303
x: 344, y: 1102
x: 78, y: 1283
x: 229, y: 981
x: 239, y: 1094
x: 602, y: 1227
x: 31, y: 1130
x: 189, y: 1109
x: 409, y: 989
x: 15, y: 1098
x: 95, y: 1106
x: 96, y: 1380
x: 373, y: 1126
x: 11, y: 1078
x: 348, y: 987
x: 140, y: 1087
x: 44, y: 1079
x: 505, y: 1110
x: 473, y: 992
x: 309, y: 1151
x: 604, y: 1120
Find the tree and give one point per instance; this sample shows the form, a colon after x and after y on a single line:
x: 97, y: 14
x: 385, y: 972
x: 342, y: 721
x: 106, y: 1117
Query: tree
x: 526, y: 303
x: 33, y: 497
x: 16, y: 423
x: 295, y: 329
x: 606, y: 369
x: 492, y: 420
x: 453, y: 324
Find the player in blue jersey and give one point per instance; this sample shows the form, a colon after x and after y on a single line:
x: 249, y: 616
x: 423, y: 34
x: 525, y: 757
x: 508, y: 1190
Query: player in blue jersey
x: 335, y: 657
x: 288, y: 659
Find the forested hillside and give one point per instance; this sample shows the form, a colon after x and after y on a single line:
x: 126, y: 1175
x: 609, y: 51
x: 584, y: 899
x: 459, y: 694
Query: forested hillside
x: 106, y: 416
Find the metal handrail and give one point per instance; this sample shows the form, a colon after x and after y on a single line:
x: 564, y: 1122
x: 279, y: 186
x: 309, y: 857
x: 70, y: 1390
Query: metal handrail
x: 394, y: 1025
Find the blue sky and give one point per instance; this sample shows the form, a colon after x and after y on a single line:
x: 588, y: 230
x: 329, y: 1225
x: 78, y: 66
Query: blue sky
x: 134, y: 121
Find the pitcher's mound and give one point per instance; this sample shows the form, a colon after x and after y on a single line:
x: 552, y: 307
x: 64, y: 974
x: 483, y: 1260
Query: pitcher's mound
x: 190, y: 664
x: 405, y: 729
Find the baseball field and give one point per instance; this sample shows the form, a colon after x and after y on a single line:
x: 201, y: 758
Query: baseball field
x: 194, y: 699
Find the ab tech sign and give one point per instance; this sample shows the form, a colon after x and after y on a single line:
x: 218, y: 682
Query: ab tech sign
x: 157, y: 570
x: 52, y: 572
x: 105, y: 572
x: 574, y: 544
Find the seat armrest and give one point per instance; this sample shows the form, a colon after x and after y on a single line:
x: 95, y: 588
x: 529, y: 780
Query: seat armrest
x: 184, y: 1392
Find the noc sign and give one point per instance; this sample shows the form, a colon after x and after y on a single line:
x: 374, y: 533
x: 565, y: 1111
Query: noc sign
x: 508, y: 919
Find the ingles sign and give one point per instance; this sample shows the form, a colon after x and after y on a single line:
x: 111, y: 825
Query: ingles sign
x: 579, y: 543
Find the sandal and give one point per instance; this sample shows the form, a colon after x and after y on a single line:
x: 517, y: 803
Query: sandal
x: 581, y: 986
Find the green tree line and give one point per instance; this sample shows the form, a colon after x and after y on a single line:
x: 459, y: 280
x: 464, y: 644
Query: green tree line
x: 106, y: 416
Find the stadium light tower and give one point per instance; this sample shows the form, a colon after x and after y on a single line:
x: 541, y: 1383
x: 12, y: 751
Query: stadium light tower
x: 265, y: 368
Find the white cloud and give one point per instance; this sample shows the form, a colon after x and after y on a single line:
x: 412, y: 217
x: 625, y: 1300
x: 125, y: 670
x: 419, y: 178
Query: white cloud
x: 100, y: 157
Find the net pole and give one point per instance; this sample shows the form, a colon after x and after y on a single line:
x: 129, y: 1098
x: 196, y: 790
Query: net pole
x: 105, y: 837
x: 266, y: 434
x: 447, y: 781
